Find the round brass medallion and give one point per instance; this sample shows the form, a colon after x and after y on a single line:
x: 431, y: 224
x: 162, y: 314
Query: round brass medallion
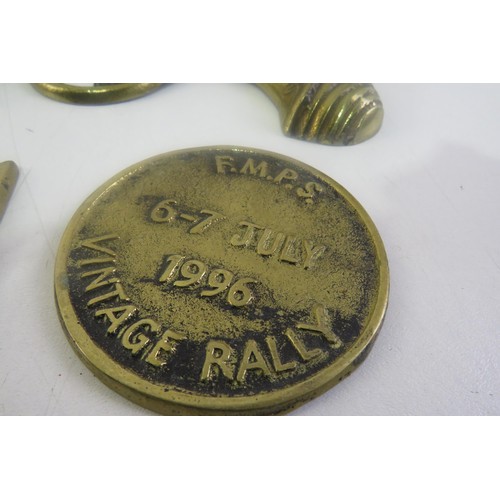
x: 221, y: 280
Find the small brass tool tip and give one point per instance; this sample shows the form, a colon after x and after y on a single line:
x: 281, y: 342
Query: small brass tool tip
x: 8, y: 178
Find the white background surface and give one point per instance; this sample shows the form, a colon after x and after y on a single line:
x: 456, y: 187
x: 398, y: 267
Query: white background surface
x: 430, y: 180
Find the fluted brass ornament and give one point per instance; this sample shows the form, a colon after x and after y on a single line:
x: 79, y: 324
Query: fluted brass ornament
x: 221, y: 280
x: 339, y: 114
x: 8, y: 178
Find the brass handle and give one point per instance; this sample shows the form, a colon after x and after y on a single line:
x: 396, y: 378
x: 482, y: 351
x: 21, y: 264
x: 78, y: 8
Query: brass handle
x: 99, y: 94
x: 328, y: 113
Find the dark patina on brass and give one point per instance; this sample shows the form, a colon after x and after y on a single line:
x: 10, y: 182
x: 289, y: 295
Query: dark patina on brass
x: 221, y: 280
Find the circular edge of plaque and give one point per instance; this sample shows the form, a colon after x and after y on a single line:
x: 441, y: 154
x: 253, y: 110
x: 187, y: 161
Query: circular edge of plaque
x: 168, y: 401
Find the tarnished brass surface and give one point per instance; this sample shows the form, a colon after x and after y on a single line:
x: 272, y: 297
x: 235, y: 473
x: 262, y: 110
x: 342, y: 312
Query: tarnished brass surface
x: 8, y: 178
x: 328, y: 113
x: 98, y: 94
x: 221, y: 280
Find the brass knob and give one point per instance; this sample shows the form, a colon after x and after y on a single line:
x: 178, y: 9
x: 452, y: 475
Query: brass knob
x: 328, y: 113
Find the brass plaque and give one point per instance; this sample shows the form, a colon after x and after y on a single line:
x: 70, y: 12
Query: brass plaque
x: 221, y: 280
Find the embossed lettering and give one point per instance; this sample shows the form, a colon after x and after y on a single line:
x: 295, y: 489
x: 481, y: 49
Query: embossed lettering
x: 164, y: 211
x: 286, y: 173
x: 218, y: 280
x: 194, y: 272
x: 117, y: 292
x: 207, y: 222
x: 250, y: 168
x: 239, y: 294
x: 218, y: 354
x: 138, y: 335
x: 309, y: 190
x: 305, y: 354
x: 135, y: 338
x: 100, y: 281
x: 247, y: 236
x: 222, y: 162
x: 288, y: 252
x: 312, y: 253
x: 264, y: 247
x: 174, y: 262
x: 92, y: 243
x: 125, y: 312
x: 322, y: 325
x: 222, y: 359
x: 279, y: 366
x: 164, y: 344
x: 97, y: 260
x: 260, y: 168
x: 287, y: 248
x: 252, y: 360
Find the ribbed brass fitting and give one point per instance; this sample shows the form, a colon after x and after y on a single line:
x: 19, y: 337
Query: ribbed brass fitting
x: 328, y: 113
